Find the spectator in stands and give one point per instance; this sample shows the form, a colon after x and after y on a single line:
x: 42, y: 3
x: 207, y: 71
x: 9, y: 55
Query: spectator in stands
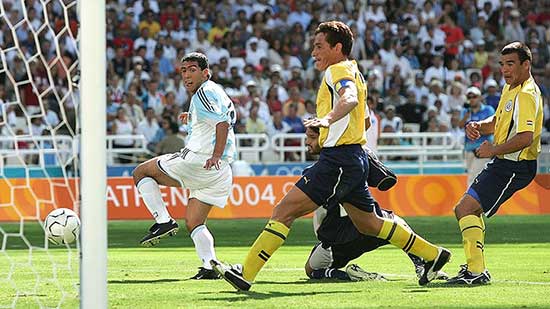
x: 37, y: 125
x: 436, y: 71
x: 51, y: 118
x: 412, y: 111
x: 123, y: 126
x: 147, y: 42
x: 391, y: 120
x: 294, y: 120
x: 133, y: 108
x: 254, y: 124
x: 454, y: 73
x: 150, y: 23
x: 412, y: 58
x: 492, y: 95
x: 480, y: 55
x: 272, y: 100
x: 172, y: 142
x: 295, y: 99
x: 466, y: 58
x: 137, y: 75
x: 219, y: 29
x: 253, y: 53
x: 153, y: 98
x: 418, y: 88
x: 278, y: 126
x: 120, y: 64
x: 475, y: 110
x: 394, y: 97
x: 148, y: 127
x: 217, y: 51
x: 436, y: 87
x: 513, y: 31
x: 311, y: 111
x: 456, y: 97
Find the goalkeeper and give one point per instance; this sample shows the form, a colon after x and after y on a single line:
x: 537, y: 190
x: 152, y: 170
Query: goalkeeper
x: 339, y: 240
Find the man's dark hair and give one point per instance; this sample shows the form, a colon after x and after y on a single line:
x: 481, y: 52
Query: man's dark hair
x: 337, y: 32
x: 523, y: 51
x: 200, y: 58
x: 314, y: 129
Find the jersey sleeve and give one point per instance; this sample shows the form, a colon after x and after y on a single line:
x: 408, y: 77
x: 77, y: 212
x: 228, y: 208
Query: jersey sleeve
x: 340, y: 77
x: 209, y: 107
x: 527, y: 112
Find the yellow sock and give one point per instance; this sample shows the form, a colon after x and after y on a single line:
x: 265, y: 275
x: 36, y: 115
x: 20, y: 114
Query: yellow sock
x: 271, y: 238
x: 410, y: 242
x: 473, y: 233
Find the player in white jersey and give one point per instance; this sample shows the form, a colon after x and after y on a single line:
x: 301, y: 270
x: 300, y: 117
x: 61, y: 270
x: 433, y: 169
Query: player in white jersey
x: 202, y: 166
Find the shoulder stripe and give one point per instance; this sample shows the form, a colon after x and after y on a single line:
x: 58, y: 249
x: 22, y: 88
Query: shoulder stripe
x: 204, y: 100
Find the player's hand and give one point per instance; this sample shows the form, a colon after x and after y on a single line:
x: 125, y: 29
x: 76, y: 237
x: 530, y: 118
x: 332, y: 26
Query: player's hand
x: 472, y: 130
x: 184, y: 117
x: 486, y: 150
x: 214, y: 161
x: 317, y: 122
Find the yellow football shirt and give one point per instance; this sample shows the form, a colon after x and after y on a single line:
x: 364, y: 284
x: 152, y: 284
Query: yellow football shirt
x: 519, y: 110
x: 350, y: 129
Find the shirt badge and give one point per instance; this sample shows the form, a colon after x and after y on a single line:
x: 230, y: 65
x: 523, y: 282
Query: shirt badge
x: 508, y: 106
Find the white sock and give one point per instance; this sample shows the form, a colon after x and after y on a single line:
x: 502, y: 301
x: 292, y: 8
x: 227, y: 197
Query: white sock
x: 150, y: 192
x: 204, y: 245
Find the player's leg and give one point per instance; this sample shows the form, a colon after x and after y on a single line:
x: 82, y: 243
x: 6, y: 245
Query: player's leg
x: 368, y: 223
x: 492, y: 187
x: 195, y: 222
x: 147, y: 178
x: 418, y: 262
x: 293, y: 205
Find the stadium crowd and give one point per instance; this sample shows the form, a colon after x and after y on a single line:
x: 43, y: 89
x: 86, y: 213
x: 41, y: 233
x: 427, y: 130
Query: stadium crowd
x: 419, y: 57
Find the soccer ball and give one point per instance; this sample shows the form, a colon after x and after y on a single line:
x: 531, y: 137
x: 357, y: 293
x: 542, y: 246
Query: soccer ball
x: 62, y: 226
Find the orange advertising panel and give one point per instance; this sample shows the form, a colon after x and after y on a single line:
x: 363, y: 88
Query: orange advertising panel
x: 252, y: 197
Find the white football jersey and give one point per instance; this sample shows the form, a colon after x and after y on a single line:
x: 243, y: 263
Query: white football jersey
x: 209, y: 106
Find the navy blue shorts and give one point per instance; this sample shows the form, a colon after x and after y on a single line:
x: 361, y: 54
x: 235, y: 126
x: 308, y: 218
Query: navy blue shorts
x: 499, y: 181
x: 340, y: 176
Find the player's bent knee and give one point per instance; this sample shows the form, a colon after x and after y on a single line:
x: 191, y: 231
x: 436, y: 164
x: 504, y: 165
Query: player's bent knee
x: 308, y: 270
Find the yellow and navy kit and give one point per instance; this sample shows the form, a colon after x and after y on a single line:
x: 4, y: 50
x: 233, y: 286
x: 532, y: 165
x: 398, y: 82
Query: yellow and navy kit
x: 519, y: 110
x: 350, y: 129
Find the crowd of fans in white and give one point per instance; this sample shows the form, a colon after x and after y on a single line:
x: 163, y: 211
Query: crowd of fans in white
x: 419, y: 57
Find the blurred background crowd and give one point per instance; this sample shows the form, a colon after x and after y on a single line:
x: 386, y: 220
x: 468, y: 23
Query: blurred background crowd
x: 419, y: 58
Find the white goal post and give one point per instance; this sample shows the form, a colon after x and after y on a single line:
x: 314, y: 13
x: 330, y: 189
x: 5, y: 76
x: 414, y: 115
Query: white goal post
x: 93, y: 267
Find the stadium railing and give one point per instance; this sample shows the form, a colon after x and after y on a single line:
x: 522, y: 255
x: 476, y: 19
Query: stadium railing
x: 414, y: 151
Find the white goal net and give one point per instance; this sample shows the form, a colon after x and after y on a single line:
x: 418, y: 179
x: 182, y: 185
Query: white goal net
x: 39, y: 104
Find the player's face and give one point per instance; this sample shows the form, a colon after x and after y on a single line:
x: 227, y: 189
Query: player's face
x: 512, y: 70
x: 312, y: 141
x: 322, y: 53
x: 192, y: 75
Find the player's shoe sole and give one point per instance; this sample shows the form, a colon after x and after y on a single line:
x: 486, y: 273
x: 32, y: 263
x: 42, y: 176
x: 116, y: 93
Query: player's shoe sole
x: 432, y: 268
x: 232, y: 275
x: 159, y: 231
x: 356, y: 273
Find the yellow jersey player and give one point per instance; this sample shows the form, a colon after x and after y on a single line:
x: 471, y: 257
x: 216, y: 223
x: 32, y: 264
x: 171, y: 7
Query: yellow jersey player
x: 516, y: 126
x: 342, y: 169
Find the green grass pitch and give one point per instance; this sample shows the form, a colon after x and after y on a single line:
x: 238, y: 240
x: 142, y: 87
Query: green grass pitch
x: 517, y: 250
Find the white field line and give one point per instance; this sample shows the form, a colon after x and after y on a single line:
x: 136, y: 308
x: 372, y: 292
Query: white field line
x: 411, y: 276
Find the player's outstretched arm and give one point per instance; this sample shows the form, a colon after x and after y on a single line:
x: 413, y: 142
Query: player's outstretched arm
x: 222, y: 129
